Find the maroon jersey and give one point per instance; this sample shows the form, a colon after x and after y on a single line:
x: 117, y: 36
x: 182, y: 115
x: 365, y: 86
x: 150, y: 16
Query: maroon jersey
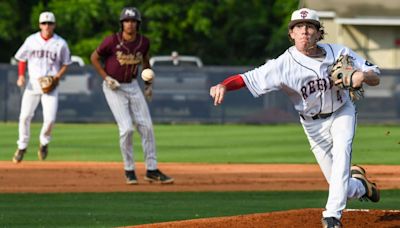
x: 121, y: 58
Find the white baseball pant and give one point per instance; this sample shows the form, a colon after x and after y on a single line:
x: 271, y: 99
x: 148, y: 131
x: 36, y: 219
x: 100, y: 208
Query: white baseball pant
x: 30, y: 101
x: 128, y: 105
x: 331, y: 142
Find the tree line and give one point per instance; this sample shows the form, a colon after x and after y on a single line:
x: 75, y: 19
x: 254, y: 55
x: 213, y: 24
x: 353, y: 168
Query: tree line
x: 221, y: 32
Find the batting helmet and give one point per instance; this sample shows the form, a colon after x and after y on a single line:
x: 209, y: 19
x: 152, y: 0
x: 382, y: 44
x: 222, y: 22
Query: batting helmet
x: 130, y: 13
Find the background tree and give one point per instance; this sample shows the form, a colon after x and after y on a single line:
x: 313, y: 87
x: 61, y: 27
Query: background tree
x: 14, y: 25
x: 221, y: 32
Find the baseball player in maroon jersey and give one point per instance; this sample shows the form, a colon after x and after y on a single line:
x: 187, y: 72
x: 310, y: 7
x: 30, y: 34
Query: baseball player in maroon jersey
x: 326, y: 112
x: 122, y: 53
x: 45, y: 53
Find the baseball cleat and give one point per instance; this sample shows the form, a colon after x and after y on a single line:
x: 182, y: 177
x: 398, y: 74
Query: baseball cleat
x: 42, y: 152
x: 371, y: 190
x: 18, y: 155
x: 331, y: 222
x: 130, y: 177
x: 157, y: 175
x: 355, y: 169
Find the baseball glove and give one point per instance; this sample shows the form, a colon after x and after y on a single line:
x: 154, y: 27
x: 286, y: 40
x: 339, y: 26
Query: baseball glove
x: 344, y: 69
x: 48, y: 83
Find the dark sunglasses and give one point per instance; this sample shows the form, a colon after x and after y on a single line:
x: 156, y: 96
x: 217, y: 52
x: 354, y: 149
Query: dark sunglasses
x: 47, y: 23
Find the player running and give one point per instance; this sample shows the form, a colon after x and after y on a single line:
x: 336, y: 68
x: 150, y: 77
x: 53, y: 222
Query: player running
x: 45, y: 53
x: 326, y: 112
x: 122, y: 53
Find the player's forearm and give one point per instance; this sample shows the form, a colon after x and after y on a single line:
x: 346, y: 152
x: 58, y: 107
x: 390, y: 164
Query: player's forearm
x: 233, y: 82
x: 61, y: 72
x: 21, y: 69
x: 371, y: 78
x: 146, y: 62
x: 218, y: 91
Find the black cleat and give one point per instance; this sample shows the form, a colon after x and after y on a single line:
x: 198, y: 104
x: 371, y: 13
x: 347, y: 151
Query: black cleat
x: 131, y: 177
x: 356, y: 169
x: 371, y: 190
x: 19, y: 155
x: 157, y: 175
x: 331, y: 222
x: 43, y: 152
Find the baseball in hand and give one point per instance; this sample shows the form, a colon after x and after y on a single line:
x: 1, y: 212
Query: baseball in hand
x: 147, y: 74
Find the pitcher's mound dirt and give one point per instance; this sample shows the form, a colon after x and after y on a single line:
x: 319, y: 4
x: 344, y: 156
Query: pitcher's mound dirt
x: 307, y: 218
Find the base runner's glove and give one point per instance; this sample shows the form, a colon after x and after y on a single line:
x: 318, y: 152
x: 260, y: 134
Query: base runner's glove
x: 344, y: 69
x: 112, y: 83
x: 148, y: 90
x: 48, y: 83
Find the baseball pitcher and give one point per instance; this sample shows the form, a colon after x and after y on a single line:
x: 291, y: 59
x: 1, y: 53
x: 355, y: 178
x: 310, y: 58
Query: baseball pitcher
x: 322, y: 80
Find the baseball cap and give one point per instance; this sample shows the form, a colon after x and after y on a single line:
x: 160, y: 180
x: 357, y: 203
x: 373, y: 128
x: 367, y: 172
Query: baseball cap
x: 304, y: 15
x: 47, y: 17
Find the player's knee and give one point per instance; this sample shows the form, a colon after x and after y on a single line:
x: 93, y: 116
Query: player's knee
x: 49, y: 123
x: 126, y: 131
x: 146, y: 125
x: 25, y: 118
x: 48, y: 127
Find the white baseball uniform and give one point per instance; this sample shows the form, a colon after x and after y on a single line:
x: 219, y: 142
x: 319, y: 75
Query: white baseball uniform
x: 326, y: 112
x: 44, y: 58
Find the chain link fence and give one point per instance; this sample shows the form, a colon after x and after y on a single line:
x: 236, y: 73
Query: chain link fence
x: 181, y: 96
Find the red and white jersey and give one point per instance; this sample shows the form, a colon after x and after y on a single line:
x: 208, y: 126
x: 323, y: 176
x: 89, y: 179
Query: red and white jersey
x: 306, y: 80
x: 44, y: 57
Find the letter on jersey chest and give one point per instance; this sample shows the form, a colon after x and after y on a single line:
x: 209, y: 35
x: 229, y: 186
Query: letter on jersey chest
x: 317, y: 85
x: 42, y: 54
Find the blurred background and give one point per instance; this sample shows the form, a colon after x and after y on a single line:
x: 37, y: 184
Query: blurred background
x: 196, y: 44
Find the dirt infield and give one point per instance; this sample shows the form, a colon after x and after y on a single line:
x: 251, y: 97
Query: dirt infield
x: 109, y: 177
x: 39, y: 177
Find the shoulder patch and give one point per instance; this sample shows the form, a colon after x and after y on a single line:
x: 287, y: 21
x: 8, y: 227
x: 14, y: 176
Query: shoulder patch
x: 368, y: 63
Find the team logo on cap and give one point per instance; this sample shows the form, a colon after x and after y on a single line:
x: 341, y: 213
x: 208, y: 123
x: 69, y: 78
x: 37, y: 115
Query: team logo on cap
x: 303, y: 14
x: 130, y: 12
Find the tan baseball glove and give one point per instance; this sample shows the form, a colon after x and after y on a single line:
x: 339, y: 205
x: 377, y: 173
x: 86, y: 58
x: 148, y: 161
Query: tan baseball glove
x: 48, y: 83
x: 344, y: 69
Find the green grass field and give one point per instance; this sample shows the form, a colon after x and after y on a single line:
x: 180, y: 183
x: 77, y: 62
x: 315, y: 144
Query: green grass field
x: 204, y: 143
x: 374, y: 144
x: 131, y: 208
